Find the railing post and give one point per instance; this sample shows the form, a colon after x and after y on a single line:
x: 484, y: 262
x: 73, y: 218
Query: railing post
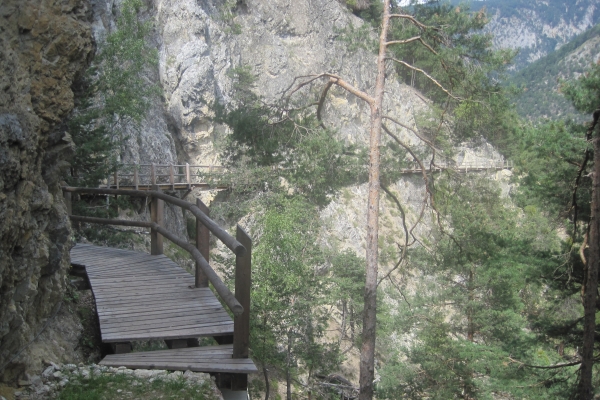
x: 152, y: 174
x: 172, y: 176
x: 157, y: 209
x: 202, y: 243
x: 241, y: 323
x: 188, y: 177
x: 243, y: 268
x: 116, y: 179
x: 68, y: 202
x: 136, y: 179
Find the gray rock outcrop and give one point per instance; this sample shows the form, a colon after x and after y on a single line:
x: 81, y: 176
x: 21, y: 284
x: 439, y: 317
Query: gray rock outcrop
x: 44, y: 45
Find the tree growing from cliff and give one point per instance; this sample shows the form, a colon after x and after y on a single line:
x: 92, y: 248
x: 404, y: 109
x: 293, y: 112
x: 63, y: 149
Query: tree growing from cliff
x: 288, y: 296
x: 115, y: 92
x: 451, y: 52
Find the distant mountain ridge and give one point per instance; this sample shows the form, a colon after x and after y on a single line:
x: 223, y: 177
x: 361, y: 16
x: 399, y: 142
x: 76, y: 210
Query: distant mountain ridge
x: 537, y: 27
x: 540, y: 81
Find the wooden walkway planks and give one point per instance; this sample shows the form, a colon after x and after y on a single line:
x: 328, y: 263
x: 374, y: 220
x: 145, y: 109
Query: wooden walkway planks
x: 198, y: 359
x: 142, y: 297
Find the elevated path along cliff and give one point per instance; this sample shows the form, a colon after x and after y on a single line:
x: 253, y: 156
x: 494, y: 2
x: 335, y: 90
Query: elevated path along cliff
x: 142, y: 296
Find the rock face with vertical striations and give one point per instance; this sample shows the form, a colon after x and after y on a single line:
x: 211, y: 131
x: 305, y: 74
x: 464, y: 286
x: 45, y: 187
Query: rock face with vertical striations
x: 44, y: 45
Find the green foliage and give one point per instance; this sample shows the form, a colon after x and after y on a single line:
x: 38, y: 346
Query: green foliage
x: 546, y: 160
x: 100, y: 386
x: 540, y: 82
x: 269, y: 142
x: 585, y: 92
x: 347, y: 291
x: 468, y: 316
x: 462, y: 61
x: 288, y: 295
x: 115, y: 93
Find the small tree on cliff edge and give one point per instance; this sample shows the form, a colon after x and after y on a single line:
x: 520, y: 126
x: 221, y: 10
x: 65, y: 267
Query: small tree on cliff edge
x: 454, y: 67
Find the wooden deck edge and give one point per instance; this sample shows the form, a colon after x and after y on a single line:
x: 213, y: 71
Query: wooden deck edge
x: 197, y: 359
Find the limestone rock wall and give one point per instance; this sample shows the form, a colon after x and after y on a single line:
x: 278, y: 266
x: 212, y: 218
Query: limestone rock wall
x: 44, y: 45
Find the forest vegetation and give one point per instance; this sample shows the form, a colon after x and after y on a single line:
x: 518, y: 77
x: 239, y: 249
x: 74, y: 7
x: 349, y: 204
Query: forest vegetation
x: 485, y: 302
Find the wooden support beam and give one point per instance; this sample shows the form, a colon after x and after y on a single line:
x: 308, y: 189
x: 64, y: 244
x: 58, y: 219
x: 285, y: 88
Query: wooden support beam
x: 243, y: 281
x: 177, y: 343
x: 121, y: 348
x: 202, y: 243
x: 239, y: 382
x: 157, y: 209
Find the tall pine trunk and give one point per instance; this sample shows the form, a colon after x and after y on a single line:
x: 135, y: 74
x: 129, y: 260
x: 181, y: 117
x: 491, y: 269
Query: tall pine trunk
x: 288, y: 372
x: 267, y: 385
x: 585, y: 390
x: 367, y: 353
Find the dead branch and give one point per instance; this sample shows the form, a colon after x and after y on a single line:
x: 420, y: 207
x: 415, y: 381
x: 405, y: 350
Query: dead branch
x: 413, y: 39
x: 333, y: 79
x: 431, y: 78
x: 412, y: 19
x: 417, y: 134
x: 547, y: 366
x: 322, y: 102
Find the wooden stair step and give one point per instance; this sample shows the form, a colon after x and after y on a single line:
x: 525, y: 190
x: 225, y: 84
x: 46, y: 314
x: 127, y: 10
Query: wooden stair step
x: 197, y: 359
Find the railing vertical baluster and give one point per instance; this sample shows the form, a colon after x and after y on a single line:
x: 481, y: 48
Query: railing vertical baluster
x: 202, y: 243
x: 241, y: 323
x: 152, y: 174
x: 172, y: 176
x: 69, y: 202
x: 116, y: 178
x: 188, y: 177
x: 157, y: 209
x: 136, y: 179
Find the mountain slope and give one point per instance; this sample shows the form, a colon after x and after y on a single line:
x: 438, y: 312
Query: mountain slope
x: 540, y: 81
x: 538, y: 27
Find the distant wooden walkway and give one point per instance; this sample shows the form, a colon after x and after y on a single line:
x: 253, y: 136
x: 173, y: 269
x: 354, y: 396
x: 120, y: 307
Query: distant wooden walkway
x: 187, y: 177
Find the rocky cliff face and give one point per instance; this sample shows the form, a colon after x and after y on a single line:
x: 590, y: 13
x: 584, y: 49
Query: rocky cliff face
x: 538, y: 27
x: 201, y: 42
x: 44, y: 45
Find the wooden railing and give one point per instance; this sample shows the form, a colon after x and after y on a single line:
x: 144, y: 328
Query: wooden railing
x: 166, y: 176
x: 241, y: 246
x: 186, y: 176
x: 479, y: 165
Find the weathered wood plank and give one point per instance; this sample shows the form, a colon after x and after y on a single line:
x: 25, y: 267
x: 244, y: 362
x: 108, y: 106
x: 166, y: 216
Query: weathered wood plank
x: 165, y: 325
x: 170, y: 334
x: 142, y: 297
x: 153, y: 315
x: 156, y: 313
x: 144, y: 319
x: 157, y: 297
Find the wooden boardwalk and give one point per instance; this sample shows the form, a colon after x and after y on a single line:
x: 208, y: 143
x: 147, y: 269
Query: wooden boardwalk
x: 143, y: 297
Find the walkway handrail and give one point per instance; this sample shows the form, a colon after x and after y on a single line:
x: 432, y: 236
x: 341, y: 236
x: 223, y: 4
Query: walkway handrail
x: 229, y: 298
x: 225, y: 237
